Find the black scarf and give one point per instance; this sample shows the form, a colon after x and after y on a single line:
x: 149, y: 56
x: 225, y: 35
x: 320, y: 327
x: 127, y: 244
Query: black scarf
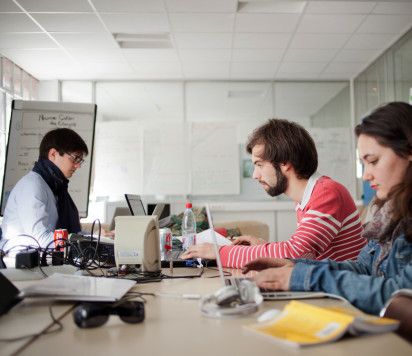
x: 58, y: 183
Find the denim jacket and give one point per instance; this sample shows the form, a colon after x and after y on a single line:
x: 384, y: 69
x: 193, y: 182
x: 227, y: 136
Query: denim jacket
x: 355, y: 280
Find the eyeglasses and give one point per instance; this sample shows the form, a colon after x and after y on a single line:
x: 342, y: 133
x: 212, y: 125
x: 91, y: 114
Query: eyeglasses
x: 76, y: 159
x: 91, y: 315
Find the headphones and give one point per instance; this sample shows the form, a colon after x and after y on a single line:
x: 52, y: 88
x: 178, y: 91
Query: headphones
x: 242, y: 299
x: 91, y: 315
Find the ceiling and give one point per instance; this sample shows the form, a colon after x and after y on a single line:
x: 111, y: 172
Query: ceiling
x: 199, y: 39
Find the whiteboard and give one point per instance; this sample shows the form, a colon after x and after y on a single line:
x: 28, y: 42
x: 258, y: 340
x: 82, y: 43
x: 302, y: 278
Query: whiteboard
x: 214, y: 159
x: 335, y: 155
x: 30, y: 121
x: 117, y: 158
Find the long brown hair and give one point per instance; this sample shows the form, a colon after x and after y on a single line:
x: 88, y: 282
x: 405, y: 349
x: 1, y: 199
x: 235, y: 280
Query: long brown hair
x: 391, y: 126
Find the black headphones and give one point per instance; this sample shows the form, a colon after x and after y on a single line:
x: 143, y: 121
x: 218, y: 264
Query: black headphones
x: 91, y: 315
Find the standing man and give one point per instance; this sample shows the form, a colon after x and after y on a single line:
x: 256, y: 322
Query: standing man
x: 285, y: 161
x: 40, y: 202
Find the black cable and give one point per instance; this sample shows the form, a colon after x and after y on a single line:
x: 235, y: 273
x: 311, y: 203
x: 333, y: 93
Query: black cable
x: 47, y: 331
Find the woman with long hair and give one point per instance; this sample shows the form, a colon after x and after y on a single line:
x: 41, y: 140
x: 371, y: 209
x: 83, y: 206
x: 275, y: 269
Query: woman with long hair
x: 384, y: 265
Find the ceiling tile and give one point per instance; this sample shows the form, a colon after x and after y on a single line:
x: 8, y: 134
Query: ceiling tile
x: 271, y: 7
x: 55, y: 6
x: 129, y: 6
x: 96, y: 54
x: 266, y: 22
x: 359, y: 55
x: 203, y: 40
x: 314, y: 41
x: 261, y: 40
x: 296, y: 76
x: 309, y: 55
x: 257, y: 55
x: 201, y: 22
x: 26, y: 40
x: 69, y: 22
x: 136, y: 22
x: 204, y: 55
x: 17, y: 23
x: 157, y: 70
x: 301, y: 67
x: 8, y: 6
x: 85, y: 40
x: 46, y: 56
x: 151, y: 55
x: 329, y: 23
x: 340, y: 7
x: 385, y: 24
x: 206, y: 70
x: 370, y: 41
x: 201, y: 5
x: 351, y: 68
x: 265, y: 68
x: 401, y: 8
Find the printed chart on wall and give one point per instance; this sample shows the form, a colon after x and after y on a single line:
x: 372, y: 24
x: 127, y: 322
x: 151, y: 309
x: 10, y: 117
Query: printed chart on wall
x: 30, y: 121
x: 117, y: 164
x: 214, y: 159
x: 335, y: 155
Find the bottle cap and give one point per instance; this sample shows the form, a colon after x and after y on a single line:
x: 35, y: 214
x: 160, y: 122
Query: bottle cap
x: 188, y: 205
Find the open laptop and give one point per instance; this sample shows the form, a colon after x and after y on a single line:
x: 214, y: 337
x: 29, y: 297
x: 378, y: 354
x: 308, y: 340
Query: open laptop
x: 136, y: 207
x: 266, y: 294
x: 64, y: 287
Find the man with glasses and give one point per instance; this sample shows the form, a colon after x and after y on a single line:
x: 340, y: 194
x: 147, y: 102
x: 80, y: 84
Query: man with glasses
x: 40, y: 202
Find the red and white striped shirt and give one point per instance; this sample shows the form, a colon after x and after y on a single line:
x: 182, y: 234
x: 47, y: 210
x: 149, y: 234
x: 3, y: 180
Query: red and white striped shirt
x: 328, y: 227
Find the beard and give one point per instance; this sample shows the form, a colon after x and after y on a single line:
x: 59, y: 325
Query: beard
x: 281, y: 184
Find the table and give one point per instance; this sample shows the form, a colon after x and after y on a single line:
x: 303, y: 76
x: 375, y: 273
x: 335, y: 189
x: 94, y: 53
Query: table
x: 175, y: 326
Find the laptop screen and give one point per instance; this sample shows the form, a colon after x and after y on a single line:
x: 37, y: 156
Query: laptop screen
x: 135, y: 204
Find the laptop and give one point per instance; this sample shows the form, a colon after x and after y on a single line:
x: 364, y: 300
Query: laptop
x: 266, y: 294
x: 136, y: 207
x: 64, y: 287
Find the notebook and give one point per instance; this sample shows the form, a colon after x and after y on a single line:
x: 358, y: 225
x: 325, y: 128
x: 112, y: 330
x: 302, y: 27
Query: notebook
x: 267, y: 295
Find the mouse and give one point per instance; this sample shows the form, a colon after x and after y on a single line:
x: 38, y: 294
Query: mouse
x: 268, y: 315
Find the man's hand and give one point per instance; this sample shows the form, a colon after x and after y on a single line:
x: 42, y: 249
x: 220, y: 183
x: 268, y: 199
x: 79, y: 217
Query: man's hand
x: 264, y: 263
x: 205, y: 250
x: 274, y: 278
x: 248, y: 240
x: 110, y: 234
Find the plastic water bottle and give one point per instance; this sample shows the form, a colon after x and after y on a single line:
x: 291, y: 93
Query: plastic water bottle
x: 188, y: 227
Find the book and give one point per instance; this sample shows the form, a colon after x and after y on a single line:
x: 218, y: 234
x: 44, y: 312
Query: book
x: 302, y: 324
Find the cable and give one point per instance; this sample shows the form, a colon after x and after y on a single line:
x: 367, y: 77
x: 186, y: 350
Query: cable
x: 46, y: 331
